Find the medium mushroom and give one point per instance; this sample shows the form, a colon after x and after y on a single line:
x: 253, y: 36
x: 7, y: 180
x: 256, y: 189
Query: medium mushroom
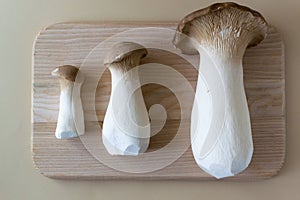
x: 70, y: 121
x: 221, y: 137
x: 126, y: 128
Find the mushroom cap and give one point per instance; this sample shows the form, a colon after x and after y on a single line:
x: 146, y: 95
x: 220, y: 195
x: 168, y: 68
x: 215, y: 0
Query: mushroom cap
x: 67, y: 72
x: 181, y: 40
x: 122, y: 50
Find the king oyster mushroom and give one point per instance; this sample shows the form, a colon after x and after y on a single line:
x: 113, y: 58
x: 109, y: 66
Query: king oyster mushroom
x: 221, y: 137
x: 126, y: 129
x: 70, y: 121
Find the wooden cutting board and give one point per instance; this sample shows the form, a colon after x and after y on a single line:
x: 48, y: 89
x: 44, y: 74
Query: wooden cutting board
x: 79, y: 44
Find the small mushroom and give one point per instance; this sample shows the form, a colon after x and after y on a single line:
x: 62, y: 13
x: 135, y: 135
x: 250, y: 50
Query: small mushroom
x: 221, y: 137
x: 70, y: 121
x: 126, y: 129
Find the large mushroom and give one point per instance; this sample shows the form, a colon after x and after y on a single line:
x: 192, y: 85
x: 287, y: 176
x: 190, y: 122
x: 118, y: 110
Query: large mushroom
x: 221, y: 137
x: 126, y: 128
x: 70, y: 121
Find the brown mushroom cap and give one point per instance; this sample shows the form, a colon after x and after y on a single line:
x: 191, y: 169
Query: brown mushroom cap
x: 184, y: 26
x: 67, y: 72
x: 122, y: 50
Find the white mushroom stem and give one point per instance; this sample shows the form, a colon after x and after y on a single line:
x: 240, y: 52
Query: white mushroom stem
x: 70, y: 121
x: 221, y: 135
x: 221, y: 130
x: 126, y: 128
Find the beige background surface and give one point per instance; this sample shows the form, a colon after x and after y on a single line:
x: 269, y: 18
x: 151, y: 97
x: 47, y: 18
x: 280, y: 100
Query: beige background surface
x: 21, y: 20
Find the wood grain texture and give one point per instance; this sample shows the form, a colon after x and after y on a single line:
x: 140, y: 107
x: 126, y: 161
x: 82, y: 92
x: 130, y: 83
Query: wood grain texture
x: 71, y: 43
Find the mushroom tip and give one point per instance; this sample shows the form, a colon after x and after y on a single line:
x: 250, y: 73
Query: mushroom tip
x: 230, y: 14
x: 68, y: 72
x: 215, y: 8
x: 122, y: 50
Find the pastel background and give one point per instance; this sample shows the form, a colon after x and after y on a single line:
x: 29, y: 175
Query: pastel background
x: 21, y: 20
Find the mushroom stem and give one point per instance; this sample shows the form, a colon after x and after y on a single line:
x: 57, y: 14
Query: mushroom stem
x: 70, y: 121
x: 221, y: 130
x: 126, y: 129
